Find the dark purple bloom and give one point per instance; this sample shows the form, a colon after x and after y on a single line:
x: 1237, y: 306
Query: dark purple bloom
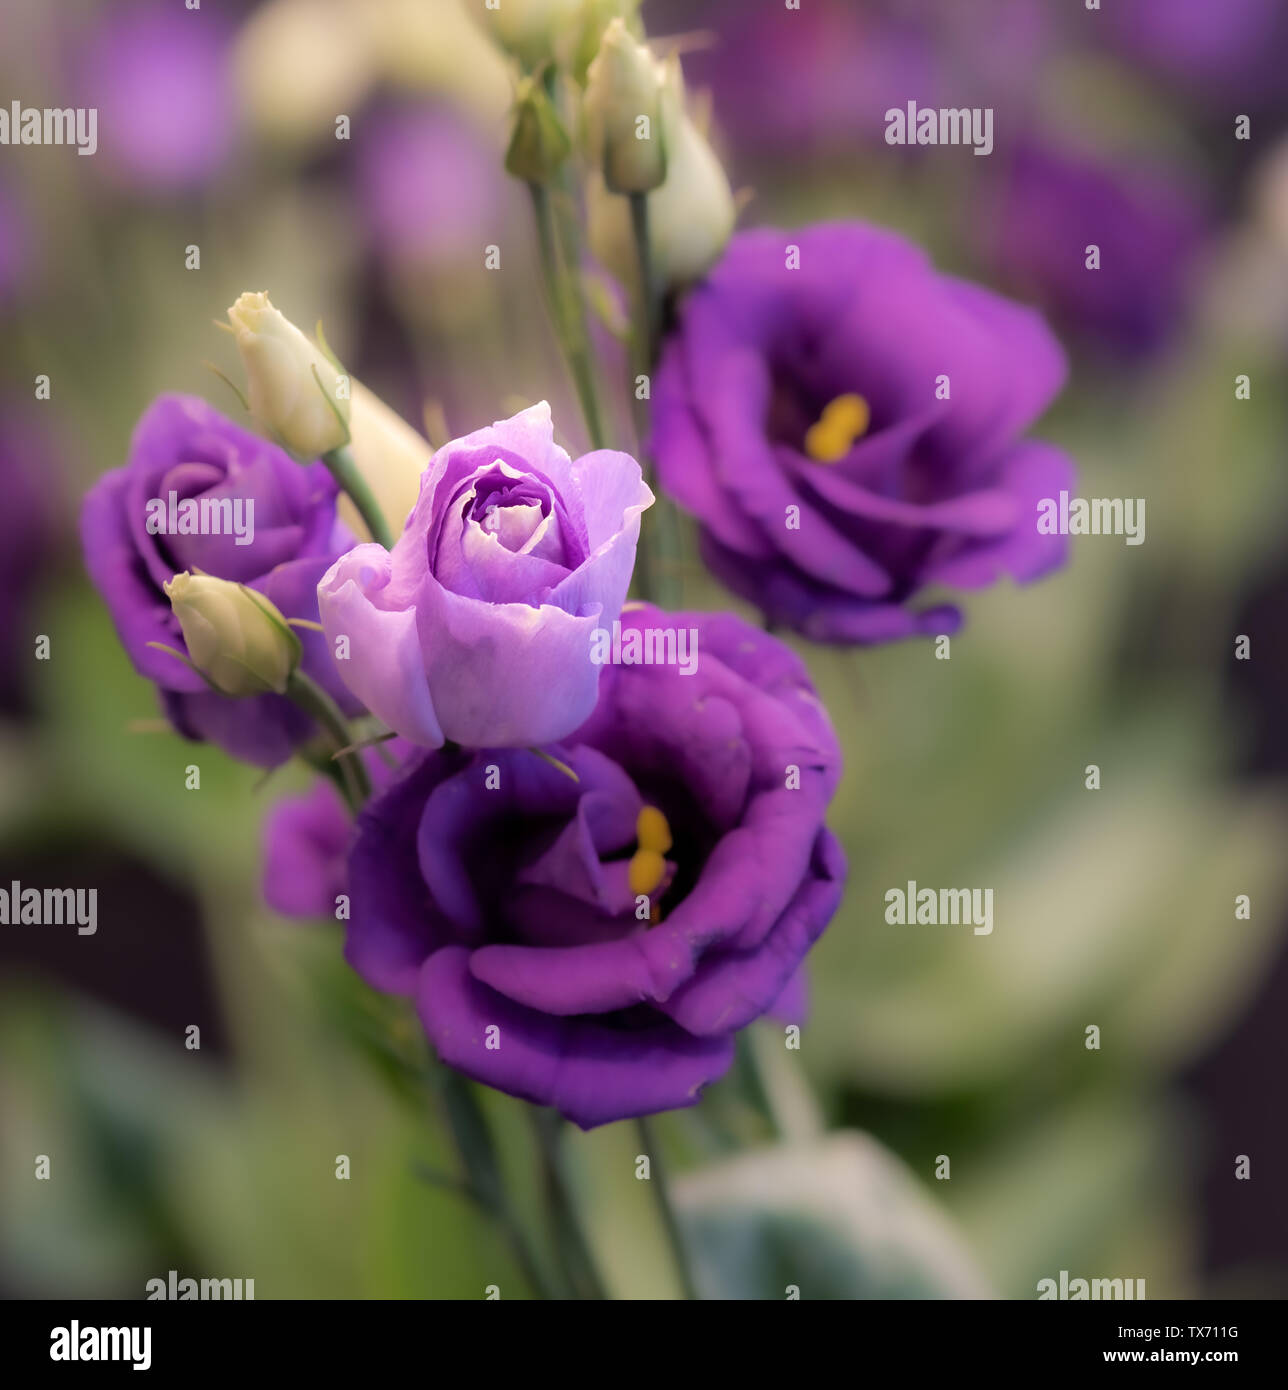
x: 307, y: 837
x: 932, y: 485
x: 159, y: 78
x: 186, y: 447
x: 477, y: 627
x: 1147, y: 225
x: 551, y: 952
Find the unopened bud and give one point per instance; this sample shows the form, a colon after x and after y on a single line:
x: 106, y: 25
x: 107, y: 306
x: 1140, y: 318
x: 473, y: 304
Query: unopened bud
x: 528, y: 29
x: 624, y: 124
x: 691, y: 216
x: 539, y: 144
x: 235, y: 637
x: 296, y: 394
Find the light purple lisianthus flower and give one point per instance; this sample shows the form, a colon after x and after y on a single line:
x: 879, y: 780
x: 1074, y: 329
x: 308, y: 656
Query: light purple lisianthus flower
x: 1148, y: 225
x: 500, y: 894
x: 478, y: 627
x: 186, y: 447
x: 934, y: 486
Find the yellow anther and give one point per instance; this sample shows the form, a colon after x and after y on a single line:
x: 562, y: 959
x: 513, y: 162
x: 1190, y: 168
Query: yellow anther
x: 652, y: 831
x: 647, y: 870
x: 843, y: 420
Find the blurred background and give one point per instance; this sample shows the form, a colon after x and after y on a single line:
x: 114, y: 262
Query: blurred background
x: 1113, y: 908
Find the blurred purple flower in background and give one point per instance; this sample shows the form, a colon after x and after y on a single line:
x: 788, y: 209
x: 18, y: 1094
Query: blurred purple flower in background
x: 503, y: 895
x: 1226, y: 49
x: 477, y: 627
x: 847, y: 432
x: 159, y: 76
x: 1053, y: 203
x: 427, y: 184
x: 184, y: 446
x: 787, y: 82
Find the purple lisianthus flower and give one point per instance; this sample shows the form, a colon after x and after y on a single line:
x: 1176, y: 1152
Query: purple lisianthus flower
x: 159, y: 77
x: 594, y: 944
x: 847, y: 432
x: 1149, y: 227
x: 184, y: 447
x: 478, y: 627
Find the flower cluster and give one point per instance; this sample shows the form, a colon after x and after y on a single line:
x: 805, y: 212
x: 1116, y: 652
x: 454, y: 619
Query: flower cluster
x: 584, y: 836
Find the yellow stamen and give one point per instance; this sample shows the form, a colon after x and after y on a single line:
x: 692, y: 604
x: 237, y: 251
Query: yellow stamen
x: 843, y: 420
x: 652, y: 830
x: 647, y: 870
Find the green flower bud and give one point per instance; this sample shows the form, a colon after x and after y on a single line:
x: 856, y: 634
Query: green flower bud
x: 235, y: 637
x: 296, y: 394
x: 623, y: 108
x: 539, y: 144
x: 691, y: 216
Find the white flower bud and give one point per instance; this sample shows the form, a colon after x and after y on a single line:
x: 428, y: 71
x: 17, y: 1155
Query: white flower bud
x: 529, y: 28
x: 296, y: 395
x: 624, y: 87
x: 389, y: 455
x: 235, y: 637
x: 691, y: 215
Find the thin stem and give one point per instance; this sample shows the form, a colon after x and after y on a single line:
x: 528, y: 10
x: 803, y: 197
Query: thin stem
x: 650, y: 296
x: 574, y: 1252
x: 476, y: 1152
x: 658, y: 557
x: 323, y: 710
x: 340, y: 463
x: 566, y: 314
x: 666, y: 1208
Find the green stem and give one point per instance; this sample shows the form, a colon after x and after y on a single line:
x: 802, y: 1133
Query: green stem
x: 576, y: 1259
x: 323, y: 710
x: 476, y: 1152
x: 649, y: 294
x: 666, y: 1208
x: 340, y: 463
x: 659, y: 556
x: 564, y: 299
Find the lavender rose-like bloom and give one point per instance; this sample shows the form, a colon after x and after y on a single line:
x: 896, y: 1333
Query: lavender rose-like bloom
x: 478, y: 627
x: 186, y: 447
x: 593, y: 945
x: 848, y: 432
